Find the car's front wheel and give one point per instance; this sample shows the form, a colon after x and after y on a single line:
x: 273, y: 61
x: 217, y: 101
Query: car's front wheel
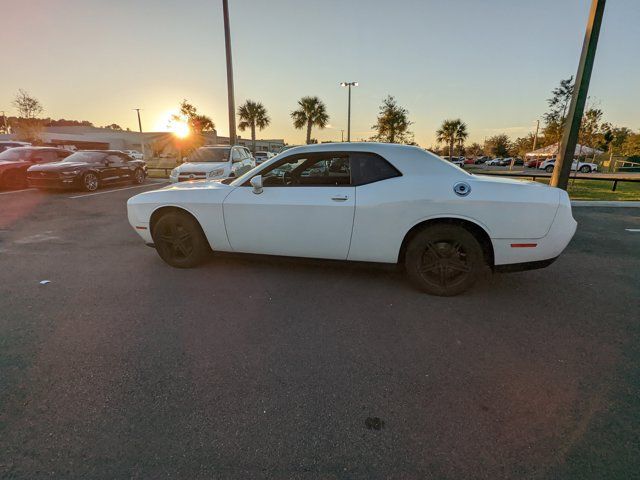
x: 585, y: 169
x: 549, y: 168
x: 138, y: 176
x: 444, y: 260
x: 90, y: 182
x: 179, y: 240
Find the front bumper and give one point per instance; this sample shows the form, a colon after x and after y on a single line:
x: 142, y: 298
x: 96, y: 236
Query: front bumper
x: 54, y: 183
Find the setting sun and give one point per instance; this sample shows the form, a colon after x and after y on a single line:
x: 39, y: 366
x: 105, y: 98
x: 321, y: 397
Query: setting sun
x: 180, y: 128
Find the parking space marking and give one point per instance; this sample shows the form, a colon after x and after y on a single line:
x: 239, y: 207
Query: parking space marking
x: 118, y: 189
x: 18, y: 191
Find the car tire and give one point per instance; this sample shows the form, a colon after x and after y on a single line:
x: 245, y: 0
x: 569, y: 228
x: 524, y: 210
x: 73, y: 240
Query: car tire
x: 90, y: 182
x: 179, y: 240
x: 138, y: 176
x: 585, y: 169
x: 549, y: 169
x: 444, y: 260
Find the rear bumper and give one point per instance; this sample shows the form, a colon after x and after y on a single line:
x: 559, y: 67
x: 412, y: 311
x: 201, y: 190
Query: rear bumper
x: 521, y: 267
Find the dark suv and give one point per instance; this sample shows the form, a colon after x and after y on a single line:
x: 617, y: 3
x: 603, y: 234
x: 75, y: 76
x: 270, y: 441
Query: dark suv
x: 14, y: 163
x: 89, y: 170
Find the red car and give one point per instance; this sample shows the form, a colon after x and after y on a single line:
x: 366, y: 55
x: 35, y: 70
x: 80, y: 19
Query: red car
x: 534, y: 162
x: 14, y: 163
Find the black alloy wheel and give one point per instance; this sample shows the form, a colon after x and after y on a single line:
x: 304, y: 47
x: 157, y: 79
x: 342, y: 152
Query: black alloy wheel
x: 138, y: 176
x: 549, y: 168
x: 90, y: 182
x: 444, y: 260
x: 179, y: 240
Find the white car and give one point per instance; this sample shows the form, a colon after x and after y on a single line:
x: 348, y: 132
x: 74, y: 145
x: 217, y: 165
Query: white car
x: 368, y: 202
x: 494, y: 162
x: 262, y: 157
x: 583, y: 167
x: 136, y: 155
x: 214, y: 163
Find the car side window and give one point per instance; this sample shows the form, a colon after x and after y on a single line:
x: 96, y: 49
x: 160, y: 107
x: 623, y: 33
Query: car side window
x: 315, y: 170
x: 247, y: 152
x: 114, y: 158
x: 44, y: 157
x: 369, y: 167
x: 62, y: 154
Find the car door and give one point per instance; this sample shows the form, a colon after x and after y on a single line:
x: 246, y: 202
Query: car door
x: 109, y: 170
x: 305, y: 209
x: 126, y: 168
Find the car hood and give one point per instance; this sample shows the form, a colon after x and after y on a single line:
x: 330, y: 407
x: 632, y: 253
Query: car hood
x: 57, y: 166
x: 201, y: 167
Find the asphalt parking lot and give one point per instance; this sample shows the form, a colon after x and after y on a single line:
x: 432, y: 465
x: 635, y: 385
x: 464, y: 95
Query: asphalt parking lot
x: 254, y: 367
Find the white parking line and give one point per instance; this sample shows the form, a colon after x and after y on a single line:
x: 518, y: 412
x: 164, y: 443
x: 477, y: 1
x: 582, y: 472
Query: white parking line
x: 634, y: 230
x: 118, y: 190
x: 18, y: 191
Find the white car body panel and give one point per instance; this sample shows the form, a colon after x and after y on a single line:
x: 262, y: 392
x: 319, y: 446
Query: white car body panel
x: 371, y: 223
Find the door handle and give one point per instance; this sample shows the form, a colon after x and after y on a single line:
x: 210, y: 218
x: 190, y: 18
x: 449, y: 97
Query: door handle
x: 340, y: 198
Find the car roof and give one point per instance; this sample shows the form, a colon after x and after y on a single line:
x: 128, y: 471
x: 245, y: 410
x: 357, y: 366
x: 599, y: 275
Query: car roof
x: 407, y: 158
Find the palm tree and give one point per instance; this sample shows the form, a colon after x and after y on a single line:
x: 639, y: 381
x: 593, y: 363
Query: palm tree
x: 447, y: 134
x: 312, y: 112
x: 253, y: 114
x: 461, y: 134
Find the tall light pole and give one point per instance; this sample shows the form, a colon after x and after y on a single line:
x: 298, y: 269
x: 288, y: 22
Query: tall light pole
x: 230, y: 94
x: 560, y: 177
x: 140, y: 128
x: 349, y: 85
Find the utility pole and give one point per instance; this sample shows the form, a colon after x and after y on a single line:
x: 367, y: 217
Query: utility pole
x: 349, y: 85
x: 535, y: 137
x: 342, y: 135
x: 141, y: 136
x: 562, y: 168
x: 230, y: 93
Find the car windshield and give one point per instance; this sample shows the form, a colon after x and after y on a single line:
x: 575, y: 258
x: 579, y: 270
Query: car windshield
x: 15, y: 154
x: 86, y: 157
x: 209, y: 155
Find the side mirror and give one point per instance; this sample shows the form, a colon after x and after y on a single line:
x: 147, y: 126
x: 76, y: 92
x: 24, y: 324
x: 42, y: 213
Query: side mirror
x: 256, y: 183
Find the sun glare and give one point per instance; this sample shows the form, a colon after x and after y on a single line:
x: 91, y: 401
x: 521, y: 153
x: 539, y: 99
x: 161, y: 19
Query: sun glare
x: 180, y: 129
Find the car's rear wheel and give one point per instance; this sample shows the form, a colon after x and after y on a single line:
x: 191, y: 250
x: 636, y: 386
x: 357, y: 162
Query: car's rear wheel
x: 90, y: 182
x: 138, y: 176
x: 179, y: 240
x: 549, y: 168
x: 444, y: 260
x: 585, y: 169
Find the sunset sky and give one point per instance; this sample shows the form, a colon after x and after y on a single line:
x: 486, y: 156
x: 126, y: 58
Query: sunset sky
x: 491, y: 63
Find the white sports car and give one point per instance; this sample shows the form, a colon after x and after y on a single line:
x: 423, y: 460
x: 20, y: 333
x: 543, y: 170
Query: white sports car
x: 363, y: 202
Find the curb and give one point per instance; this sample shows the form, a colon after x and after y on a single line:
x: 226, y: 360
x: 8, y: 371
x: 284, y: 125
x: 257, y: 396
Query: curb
x: 605, y: 203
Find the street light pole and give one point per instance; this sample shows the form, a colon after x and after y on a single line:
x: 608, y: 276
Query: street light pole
x: 141, y: 136
x: 562, y: 168
x: 349, y: 85
x: 230, y: 93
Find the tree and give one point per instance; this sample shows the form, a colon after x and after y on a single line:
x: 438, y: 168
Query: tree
x: 113, y: 126
x: 475, y: 150
x: 558, y: 103
x: 312, y: 113
x: 498, y: 145
x: 197, y: 123
x: 28, y: 127
x: 450, y: 132
x: 393, y: 123
x: 613, y: 139
x: 461, y: 136
x: 521, y: 145
x: 253, y: 114
x: 28, y: 107
x: 631, y: 145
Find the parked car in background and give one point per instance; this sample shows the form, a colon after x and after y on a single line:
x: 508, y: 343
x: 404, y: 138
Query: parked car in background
x: 15, y: 161
x: 582, y: 167
x: 6, y: 144
x: 363, y: 202
x: 494, y: 162
x: 214, y: 163
x: 469, y: 161
x: 136, y: 155
x: 88, y: 170
x: 535, y: 162
x: 480, y: 160
x: 262, y: 157
x: 506, y: 162
x: 458, y: 161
